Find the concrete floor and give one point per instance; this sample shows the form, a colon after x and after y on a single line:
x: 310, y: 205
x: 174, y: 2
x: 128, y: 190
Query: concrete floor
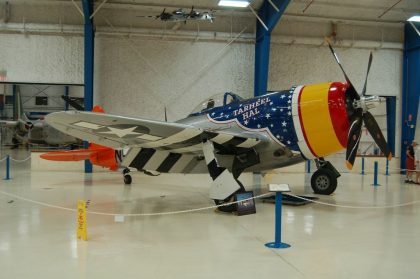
x: 327, y: 242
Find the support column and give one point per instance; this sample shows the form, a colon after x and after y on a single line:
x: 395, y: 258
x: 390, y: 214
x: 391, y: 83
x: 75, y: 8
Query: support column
x: 89, y: 45
x: 391, y: 113
x: 411, y: 88
x: 270, y: 16
x: 15, y: 109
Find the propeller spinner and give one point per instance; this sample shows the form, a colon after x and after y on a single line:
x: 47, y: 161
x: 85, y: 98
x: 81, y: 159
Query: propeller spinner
x: 358, y: 106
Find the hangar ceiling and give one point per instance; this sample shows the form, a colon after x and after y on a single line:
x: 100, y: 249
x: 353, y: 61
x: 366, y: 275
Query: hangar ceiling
x: 121, y: 16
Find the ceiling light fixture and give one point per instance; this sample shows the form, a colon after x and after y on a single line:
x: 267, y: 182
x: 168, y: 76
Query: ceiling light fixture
x: 415, y: 18
x: 234, y: 3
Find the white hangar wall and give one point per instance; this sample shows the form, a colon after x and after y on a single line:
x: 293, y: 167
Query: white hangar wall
x: 139, y: 77
x: 42, y: 59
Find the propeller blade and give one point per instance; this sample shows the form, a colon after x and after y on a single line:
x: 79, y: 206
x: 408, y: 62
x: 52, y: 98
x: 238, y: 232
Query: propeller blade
x: 351, y: 88
x: 367, y: 73
x: 72, y: 103
x: 355, y: 132
x: 376, y: 133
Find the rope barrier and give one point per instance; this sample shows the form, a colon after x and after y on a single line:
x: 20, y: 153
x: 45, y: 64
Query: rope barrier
x: 355, y: 207
x: 204, y: 208
x: 132, y: 214
x: 16, y: 160
x: 20, y: 161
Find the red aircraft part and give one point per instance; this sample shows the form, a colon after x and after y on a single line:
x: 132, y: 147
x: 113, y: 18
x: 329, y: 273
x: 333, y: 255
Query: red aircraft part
x: 97, y: 154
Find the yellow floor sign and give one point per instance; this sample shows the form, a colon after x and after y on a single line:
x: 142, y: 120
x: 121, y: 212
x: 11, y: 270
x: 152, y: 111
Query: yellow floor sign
x: 81, y: 220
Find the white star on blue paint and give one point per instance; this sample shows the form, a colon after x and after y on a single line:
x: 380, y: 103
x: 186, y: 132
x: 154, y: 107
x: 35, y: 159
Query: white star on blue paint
x: 275, y: 115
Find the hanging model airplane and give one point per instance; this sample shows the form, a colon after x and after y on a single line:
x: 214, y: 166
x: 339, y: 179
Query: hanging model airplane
x: 181, y: 15
x: 228, y: 136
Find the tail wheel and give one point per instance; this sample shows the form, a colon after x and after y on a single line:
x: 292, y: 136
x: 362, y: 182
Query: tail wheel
x: 324, y: 182
x: 127, y: 179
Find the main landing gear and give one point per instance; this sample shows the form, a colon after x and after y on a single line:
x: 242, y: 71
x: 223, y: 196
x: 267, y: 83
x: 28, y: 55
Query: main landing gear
x: 225, y: 183
x: 127, y: 176
x: 324, y: 180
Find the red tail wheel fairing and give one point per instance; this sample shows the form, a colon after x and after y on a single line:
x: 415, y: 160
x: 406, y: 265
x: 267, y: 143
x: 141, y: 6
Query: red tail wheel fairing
x: 320, y: 118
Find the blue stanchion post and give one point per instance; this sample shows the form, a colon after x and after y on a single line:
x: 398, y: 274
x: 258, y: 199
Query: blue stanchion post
x: 277, y: 237
x: 309, y: 166
x: 387, y: 168
x: 363, y: 166
x: 7, y: 168
x: 375, y: 174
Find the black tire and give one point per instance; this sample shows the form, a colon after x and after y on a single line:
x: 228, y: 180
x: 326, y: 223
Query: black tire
x: 127, y: 179
x: 226, y: 208
x: 324, y: 182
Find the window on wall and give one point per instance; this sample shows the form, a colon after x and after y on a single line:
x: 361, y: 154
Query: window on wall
x: 41, y: 100
x: 9, y: 100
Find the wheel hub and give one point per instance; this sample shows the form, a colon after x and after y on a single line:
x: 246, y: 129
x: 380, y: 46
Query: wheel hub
x: 322, y: 182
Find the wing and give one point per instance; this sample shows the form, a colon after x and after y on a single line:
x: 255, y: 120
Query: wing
x: 154, y: 145
x: 9, y: 123
x: 119, y: 132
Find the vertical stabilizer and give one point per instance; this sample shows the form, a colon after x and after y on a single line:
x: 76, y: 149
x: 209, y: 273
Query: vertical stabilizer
x: 18, y: 104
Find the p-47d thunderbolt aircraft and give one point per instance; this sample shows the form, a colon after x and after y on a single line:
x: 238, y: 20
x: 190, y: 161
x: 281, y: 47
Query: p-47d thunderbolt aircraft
x: 227, y: 135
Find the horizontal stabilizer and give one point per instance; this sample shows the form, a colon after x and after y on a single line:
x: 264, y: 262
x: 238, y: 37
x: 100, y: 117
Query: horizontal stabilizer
x: 71, y: 155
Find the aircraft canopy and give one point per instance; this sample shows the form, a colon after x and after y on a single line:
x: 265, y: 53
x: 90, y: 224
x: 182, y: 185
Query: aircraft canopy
x: 217, y: 100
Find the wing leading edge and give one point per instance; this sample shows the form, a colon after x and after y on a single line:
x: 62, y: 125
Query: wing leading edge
x: 119, y: 132
x: 154, y: 145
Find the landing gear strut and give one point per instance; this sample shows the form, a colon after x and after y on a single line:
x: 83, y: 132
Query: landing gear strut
x: 231, y: 198
x: 225, y: 183
x: 127, y: 176
x: 324, y: 180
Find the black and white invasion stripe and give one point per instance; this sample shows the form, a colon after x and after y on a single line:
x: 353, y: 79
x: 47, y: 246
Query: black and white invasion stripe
x: 182, y: 154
